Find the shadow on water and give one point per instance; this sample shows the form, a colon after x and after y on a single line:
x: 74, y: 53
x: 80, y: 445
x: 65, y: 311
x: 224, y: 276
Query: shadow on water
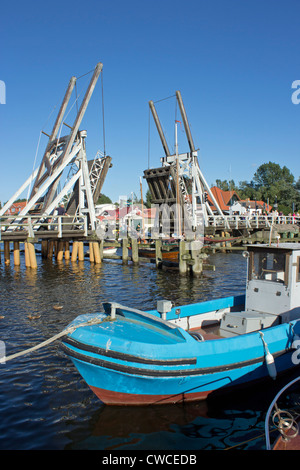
x: 45, y: 404
x: 233, y: 422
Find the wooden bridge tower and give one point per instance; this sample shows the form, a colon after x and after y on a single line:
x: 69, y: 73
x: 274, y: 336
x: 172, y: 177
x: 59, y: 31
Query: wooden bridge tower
x: 180, y: 183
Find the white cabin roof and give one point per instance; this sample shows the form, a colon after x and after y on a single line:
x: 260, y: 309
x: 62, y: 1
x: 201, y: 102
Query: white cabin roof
x: 282, y: 246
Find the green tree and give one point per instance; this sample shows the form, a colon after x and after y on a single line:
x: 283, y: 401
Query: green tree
x: 270, y: 183
x: 104, y: 199
x: 226, y: 185
x: 247, y: 190
x: 271, y: 173
x: 148, y: 199
x: 274, y: 184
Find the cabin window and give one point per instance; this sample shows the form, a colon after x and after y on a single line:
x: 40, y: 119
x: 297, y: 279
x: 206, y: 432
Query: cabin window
x: 268, y: 266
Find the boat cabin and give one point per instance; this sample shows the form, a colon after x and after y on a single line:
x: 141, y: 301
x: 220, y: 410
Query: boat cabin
x: 272, y: 290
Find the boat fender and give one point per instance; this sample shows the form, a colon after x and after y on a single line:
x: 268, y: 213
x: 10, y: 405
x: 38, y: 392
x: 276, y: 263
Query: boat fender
x: 270, y: 362
x: 271, y: 365
x: 197, y: 336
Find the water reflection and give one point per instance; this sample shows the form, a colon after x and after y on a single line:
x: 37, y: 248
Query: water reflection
x: 197, y: 426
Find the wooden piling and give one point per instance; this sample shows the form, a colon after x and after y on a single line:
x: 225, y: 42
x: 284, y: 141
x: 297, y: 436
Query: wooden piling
x: 91, y: 252
x: 27, y: 259
x: 50, y: 247
x: 197, y: 265
x: 182, y: 260
x: 67, y: 250
x: 60, y: 251
x: 6, y: 253
x: 125, y: 251
x: 74, y: 251
x: 80, y: 251
x: 158, y: 253
x: 96, y: 252
x: 17, y: 253
x: 135, y: 251
x: 44, y: 248
x: 32, y: 256
x: 101, y: 243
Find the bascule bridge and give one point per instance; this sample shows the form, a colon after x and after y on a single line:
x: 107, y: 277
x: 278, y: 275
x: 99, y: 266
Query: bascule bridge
x: 186, y: 205
x: 64, y: 175
x: 178, y: 187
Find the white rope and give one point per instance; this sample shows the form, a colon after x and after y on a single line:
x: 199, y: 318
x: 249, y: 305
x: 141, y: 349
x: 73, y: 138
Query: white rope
x: 51, y: 340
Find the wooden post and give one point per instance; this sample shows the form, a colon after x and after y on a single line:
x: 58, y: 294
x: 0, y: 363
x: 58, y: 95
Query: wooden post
x: 125, y: 251
x: 32, y: 257
x: 60, y: 251
x: 134, y: 250
x: 197, y: 266
x: 158, y: 253
x: 50, y: 249
x: 16, y: 253
x: 223, y: 244
x: 182, y: 262
x: 101, y: 249
x: 80, y: 251
x: 91, y: 250
x: 27, y: 259
x: 55, y: 246
x: 228, y: 244
x: 44, y: 248
x: 67, y: 250
x: 74, y: 251
x: 6, y: 253
x: 96, y: 251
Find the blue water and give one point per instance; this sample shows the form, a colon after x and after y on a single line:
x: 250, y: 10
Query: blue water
x: 44, y: 403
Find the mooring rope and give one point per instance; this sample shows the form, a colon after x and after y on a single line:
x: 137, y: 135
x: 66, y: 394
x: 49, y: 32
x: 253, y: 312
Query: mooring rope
x: 53, y: 338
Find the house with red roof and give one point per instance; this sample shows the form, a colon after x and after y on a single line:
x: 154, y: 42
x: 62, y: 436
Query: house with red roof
x: 225, y: 199
x: 16, y: 208
x: 230, y: 202
x: 250, y: 207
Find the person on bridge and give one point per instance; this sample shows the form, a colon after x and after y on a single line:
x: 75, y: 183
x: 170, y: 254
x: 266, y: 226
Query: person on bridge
x: 61, y: 209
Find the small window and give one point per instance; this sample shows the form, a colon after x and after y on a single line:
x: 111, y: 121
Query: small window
x: 268, y: 266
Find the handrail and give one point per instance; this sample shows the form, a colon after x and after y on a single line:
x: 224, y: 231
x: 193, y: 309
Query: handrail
x: 269, y: 411
x: 33, y: 223
x: 252, y: 221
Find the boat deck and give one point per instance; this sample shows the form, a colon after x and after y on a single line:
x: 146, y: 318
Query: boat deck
x: 287, y: 444
x: 208, y: 332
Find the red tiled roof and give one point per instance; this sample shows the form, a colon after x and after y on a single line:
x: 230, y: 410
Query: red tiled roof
x: 16, y: 207
x: 222, y: 198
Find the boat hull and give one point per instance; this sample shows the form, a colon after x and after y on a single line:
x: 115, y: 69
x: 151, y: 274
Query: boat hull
x: 115, y: 398
x: 138, y: 359
x: 166, y: 255
x: 112, y: 386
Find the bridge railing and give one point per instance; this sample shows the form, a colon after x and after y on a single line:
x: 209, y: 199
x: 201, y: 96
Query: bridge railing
x: 251, y: 221
x: 34, y: 223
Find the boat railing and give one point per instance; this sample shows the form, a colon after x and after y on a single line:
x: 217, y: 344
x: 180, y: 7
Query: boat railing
x: 284, y: 424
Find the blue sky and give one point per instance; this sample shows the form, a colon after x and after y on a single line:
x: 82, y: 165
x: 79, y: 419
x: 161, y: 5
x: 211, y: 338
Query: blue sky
x: 234, y: 62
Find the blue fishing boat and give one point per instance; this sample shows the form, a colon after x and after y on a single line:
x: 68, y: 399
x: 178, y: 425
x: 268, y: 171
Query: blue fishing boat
x: 185, y: 353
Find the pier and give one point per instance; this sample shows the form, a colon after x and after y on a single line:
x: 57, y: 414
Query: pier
x: 63, y: 238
